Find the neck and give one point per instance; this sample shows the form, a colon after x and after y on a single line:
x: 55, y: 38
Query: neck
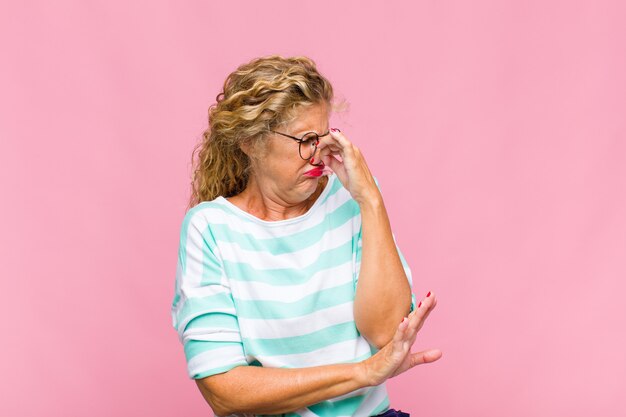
x: 268, y: 206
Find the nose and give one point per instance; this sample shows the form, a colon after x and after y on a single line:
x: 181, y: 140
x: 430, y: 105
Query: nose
x: 317, y: 157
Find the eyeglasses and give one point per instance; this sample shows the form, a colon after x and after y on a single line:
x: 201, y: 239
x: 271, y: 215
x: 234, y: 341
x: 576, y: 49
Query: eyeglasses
x: 307, y: 144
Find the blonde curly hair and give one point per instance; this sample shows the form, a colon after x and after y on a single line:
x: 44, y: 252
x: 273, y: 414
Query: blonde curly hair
x: 260, y: 95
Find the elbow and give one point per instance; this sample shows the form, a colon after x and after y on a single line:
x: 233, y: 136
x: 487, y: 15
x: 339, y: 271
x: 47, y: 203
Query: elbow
x: 215, y: 393
x: 383, y: 332
x: 378, y: 339
x: 377, y: 336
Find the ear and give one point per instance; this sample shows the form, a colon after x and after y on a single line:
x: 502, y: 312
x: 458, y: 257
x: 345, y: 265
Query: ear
x: 245, y: 147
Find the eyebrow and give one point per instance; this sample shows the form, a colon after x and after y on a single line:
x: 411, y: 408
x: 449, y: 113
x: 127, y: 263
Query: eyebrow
x: 301, y: 132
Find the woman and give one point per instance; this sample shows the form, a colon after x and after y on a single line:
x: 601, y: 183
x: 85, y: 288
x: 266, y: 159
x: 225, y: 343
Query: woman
x: 278, y: 234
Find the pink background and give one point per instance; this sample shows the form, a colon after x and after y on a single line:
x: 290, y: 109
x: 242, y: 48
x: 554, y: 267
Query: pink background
x: 496, y: 130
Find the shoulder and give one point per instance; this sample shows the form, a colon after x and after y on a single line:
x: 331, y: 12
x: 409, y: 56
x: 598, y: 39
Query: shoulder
x: 203, y: 214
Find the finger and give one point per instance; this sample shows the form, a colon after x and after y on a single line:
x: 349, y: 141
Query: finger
x: 431, y: 308
x: 334, y: 152
x: 428, y: 303
x: 328, y: 143
x: 401, y: 328
x: 332, y: 162
x: 422, y: 311
x: 400, y: 335
x: 406, y: 336
x: 414, y: 328
x: 340, y: 140
x: 428, y: 308
x: 422, y: 308
x: 425, y: 356
x: 330, y: 150
x: 328, y: 140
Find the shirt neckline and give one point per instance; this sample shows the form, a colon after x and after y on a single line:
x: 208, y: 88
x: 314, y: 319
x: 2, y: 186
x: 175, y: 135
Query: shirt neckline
x: 320, y: 198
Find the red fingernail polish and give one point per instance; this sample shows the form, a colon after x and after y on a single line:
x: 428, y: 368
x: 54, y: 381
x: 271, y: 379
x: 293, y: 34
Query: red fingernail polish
x: 428, y: 295
x: 313, y: 160
x: 418, y: 306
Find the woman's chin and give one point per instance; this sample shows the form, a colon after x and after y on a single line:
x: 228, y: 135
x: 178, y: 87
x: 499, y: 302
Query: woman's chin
x: 310, y: 185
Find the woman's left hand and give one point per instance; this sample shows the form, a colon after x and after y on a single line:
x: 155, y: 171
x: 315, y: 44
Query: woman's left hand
x: 352, y: 170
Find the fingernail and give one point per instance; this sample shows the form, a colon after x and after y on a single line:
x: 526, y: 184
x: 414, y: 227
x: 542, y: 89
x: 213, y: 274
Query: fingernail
x: 418, y: 306
x: 428, y: 295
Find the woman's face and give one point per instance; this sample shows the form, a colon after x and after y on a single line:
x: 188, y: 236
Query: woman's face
x: 280, y: 174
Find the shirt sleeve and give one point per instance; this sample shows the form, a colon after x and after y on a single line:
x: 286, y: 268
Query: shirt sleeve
x: 203, y: 310
x: 358, y: 254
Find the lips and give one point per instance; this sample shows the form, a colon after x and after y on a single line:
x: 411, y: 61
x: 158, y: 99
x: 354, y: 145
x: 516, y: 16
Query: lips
x: 315, y: 172
x: 318, y: 171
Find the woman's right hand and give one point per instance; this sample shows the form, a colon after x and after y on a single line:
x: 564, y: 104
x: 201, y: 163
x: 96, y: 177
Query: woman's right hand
x: 396, y: 357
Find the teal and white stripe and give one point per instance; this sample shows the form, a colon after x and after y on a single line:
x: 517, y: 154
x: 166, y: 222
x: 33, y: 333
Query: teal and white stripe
x: 275, y: 294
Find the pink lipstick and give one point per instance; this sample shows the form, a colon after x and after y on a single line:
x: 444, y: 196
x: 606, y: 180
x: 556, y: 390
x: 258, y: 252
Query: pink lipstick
x: 315, y: 172
x: 318, y: 171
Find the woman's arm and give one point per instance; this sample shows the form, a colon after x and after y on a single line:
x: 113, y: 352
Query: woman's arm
x: 259, y: 390
x: 383, y: 295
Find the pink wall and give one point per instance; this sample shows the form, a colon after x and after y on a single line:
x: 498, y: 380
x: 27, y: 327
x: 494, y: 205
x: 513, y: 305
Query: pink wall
x: 496, y: 129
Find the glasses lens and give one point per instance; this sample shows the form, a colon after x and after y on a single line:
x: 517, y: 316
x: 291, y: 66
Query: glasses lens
x: 308, y: 145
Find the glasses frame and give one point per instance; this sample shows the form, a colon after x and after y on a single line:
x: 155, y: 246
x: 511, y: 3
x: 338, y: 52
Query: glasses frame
x: 300, y: 140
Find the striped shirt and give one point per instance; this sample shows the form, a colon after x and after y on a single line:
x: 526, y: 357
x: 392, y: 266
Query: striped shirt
x: 275, y: 293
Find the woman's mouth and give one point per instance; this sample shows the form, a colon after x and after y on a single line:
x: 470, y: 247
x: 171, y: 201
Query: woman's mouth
x: 315, y: 172
x: 318, y: 171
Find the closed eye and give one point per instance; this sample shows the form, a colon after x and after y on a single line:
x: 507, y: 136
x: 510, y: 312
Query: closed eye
x: 309, y: 137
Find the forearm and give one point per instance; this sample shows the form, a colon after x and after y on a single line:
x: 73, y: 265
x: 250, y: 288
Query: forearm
x: 383, y: 295
x: 261, y: 390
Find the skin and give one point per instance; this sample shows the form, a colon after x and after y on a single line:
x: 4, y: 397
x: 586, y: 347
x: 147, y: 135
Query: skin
x: 278, y: 190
